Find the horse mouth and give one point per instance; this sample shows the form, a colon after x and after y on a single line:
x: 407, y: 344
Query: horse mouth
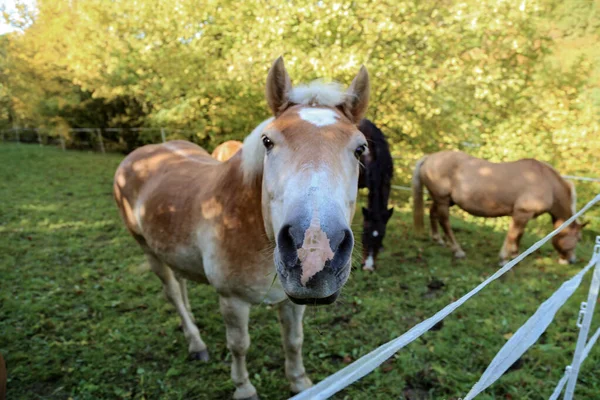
x: 315, y: 301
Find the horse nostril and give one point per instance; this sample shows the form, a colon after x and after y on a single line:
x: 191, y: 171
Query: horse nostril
x: 342, y: 249
x: 287, y: 244
x: 347, y: 242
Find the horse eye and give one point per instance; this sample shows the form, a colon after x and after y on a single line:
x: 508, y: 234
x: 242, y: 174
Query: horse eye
x: 268, y: 143
x: 360, y: 150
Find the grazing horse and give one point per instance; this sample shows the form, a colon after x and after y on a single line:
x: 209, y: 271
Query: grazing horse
x: 270, y: 225
x: 226, y: 150
x: 376, y: 173
x: 522, y: 189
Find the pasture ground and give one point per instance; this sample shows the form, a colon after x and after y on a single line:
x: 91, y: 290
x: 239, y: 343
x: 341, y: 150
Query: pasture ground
x: 80, y: 320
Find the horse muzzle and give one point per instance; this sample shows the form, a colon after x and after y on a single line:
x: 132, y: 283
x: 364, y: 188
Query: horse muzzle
x: 313, y: 264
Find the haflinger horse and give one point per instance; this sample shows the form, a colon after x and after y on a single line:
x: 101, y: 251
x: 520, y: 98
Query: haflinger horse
x: 522, y: 189
x: 270, y: 225
x: 376, y: 172
x: 226, y: 150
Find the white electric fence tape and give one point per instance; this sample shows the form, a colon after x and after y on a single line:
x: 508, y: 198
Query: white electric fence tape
x: 529, y: 332
x: 588, y: 312
x: 581, y: 178
x: 565, y: 378
x: 367, y: 363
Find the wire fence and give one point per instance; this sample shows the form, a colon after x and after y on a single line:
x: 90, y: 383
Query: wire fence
x: 42, y: 137
x: 91, y: 138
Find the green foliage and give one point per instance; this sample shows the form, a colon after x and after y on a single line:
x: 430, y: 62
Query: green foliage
x: 79, y: 319
x: 478, y: 75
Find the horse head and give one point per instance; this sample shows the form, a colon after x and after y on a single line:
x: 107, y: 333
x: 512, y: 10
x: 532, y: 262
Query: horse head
x: 566, y: 241
x: 310, y: 174
x: 374, y: 228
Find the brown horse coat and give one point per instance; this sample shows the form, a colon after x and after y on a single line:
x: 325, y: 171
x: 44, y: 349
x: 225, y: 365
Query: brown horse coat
x: 169, y: 231
x: 523, y: 189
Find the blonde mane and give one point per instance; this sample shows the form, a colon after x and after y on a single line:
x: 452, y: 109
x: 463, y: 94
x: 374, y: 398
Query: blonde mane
x: 253, y: 152
x: 328, y: 94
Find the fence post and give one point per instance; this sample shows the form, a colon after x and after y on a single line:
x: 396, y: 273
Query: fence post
x: 18, y: 134
x: 162, y: 134
x: 587, y: 311
x: 37, y: 130
x: 101, y: 141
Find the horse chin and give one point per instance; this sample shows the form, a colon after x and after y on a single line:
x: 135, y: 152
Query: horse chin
x: 315, y: 302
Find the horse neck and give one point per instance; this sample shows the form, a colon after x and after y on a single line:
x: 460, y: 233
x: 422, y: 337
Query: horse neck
x: 243, y: 197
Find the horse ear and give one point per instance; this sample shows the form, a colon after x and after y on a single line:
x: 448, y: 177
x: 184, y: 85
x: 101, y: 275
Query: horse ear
x: 390, y: 211
x: 279, y: 85
x: 366, y: 213
x: 358, y: 96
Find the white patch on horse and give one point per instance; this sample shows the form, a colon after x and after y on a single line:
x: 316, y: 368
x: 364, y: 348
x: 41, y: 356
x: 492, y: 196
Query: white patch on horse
x: 316, y: 248
x: 318, y: 116
x: 370, y: 263
x: 375, y: 233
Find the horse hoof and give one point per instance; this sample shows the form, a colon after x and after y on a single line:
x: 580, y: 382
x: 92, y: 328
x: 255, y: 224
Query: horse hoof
x: 367, y: 268
x: 459, y: 254
x: 200, y: 356
x: 301, y: 385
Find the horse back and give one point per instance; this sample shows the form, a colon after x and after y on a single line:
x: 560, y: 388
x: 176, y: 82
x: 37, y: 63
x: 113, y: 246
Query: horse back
x: 154, y: 185
x: 489, y: 189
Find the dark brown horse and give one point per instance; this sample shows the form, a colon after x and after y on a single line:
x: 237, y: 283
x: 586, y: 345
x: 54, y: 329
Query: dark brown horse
x: 521, y: 189
x: 376, y: 174
x: 270, y: 225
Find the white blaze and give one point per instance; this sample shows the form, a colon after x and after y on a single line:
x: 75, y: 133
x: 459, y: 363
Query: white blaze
x: 318, y: 116
x: 375, y: 233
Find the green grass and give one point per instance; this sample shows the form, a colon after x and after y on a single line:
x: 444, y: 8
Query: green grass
x: 80, y: 320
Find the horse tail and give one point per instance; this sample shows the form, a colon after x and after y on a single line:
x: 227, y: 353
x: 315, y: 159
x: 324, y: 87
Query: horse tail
x: 417, y: 191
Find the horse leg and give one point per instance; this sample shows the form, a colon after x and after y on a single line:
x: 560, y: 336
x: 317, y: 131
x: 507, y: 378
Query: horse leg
x: 444, y: 216
x: 172, y: 289
x: 184, y: 294
x: 434, y: 221
x: 290, y: 316
x: 235, y: 313
x: 510, y: 248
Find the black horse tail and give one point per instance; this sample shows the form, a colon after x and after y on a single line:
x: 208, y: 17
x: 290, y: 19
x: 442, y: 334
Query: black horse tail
x: 417, y: 191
